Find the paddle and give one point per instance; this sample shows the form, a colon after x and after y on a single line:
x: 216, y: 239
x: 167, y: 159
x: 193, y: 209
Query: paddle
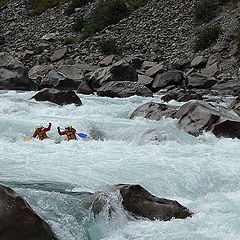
x: 27, y: 139
x: 82, y: 135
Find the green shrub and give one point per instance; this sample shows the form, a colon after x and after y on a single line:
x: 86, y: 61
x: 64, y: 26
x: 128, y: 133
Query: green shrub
x: 2, y: 2
x: 38, y: 50
x: 108, y: 46
x: 104, y: 15
x: 39, y: 6
x: 205, y: 10
x: 78, y: 23
x: 207, y: 37
x: 137, y: 3
x: 75, y: 4
x: 69, y: 40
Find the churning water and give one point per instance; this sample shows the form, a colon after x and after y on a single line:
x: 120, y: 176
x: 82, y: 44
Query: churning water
x: 201, y: 173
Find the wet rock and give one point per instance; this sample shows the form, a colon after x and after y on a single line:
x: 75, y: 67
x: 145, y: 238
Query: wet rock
x: 227, y: 88
x: 18, y: 221
x: 123, y: 89
x: 181, y: 96
x: 198, y: 80
x: 120, y: 71
x: 84, y: 88
x: 173, y: 77
x: 197, y: 116
x: 154, y: 111
x: 140, y: 202
x: 13, y: 75
x: 235, y: 105
x: 60, y: 97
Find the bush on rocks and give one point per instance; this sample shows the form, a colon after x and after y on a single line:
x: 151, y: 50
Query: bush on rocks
x: 207, y: 37
x: 39, y: 6
x: 108, y: 47
x: 78, y: 23
x: 104, y: 15
x: 205, y: 10
x: 2, y: 2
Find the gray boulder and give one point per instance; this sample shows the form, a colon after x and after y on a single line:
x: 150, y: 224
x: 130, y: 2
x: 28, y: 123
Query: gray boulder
x: 120, y: 71
x: 123, y: 89
x: 140, y: 202
x: 18, y: 221
x: 154, y: 111
x: 197, y: 80
x: 235, y: 105
x: 60, y: 97
x: 58, y: 80
x: 173, y: 77
x: 13, y: 76
x: 84, y: 88
x: 197, y: 116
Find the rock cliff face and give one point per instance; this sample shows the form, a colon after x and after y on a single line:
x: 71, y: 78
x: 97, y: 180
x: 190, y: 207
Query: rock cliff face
x: 161, y: 31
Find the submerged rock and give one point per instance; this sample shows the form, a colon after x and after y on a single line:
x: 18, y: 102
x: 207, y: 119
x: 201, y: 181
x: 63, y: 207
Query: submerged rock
x: 60, y: 97
x: 139, y: 202
x: 18, y: 221
x: 197, y: 116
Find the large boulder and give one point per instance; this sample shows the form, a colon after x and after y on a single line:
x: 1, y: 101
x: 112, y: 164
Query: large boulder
x: 173, y: 77
x: 58, y: 80
x: 139, y: 202
x: 197, y: 116
x: 18, y: 221
x: 123, y: 89
x: 154, y: 111
x: 13, y: 75
x: 198, y: 80
x: 120, y: 71
x: 60, y: 97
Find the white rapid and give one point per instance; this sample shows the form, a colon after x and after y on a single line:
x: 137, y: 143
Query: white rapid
x: 201, y: 173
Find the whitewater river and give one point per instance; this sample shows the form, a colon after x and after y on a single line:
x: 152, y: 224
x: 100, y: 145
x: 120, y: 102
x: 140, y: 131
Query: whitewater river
x: 201, y: 173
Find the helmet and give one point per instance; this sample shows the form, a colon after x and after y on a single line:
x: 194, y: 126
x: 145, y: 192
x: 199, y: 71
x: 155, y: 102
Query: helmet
x: 39, y: 127
x: 69, y: 127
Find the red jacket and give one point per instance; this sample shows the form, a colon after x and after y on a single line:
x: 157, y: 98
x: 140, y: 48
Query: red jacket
x: 71, y: 134
x: 42, y: 133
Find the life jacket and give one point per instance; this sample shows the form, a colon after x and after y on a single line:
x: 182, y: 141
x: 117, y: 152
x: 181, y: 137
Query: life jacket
x: 70, y: 135
x: 41, y: 134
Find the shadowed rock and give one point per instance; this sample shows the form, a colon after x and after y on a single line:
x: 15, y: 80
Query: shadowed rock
x: 140, y: 202
x: 120, y: 71
x: 181, y: 96
x: 60, y: 97
x: 154, y: 111
x: 123, y: 89
x: 197, y: 80
x: 197, y: 116
x: 18, y: 221
x: 13, y: 76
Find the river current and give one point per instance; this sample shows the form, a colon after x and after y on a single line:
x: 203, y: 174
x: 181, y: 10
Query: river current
x: 201, y: 173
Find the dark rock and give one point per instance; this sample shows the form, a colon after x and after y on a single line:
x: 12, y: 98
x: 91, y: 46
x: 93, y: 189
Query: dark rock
x: 120, y: 71
x: 154, y: 111
x: 140, y: 202
x: 181, y: 96
x: 84, y: 88
x: 135, y: 61
x: 59, y: 97
x: 235, y: 105
x: 18, y: 221
x: 13, y: 76
x: 173, y: 77
x: 58, y: 80
x: 123, y: 89
x: 197, y: 80
x: 197, y: 116
x: 227, y: 88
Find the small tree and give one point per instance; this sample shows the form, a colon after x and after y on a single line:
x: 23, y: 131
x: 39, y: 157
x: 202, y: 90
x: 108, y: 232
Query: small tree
x: 108, y: 46
x: 207, y: 37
